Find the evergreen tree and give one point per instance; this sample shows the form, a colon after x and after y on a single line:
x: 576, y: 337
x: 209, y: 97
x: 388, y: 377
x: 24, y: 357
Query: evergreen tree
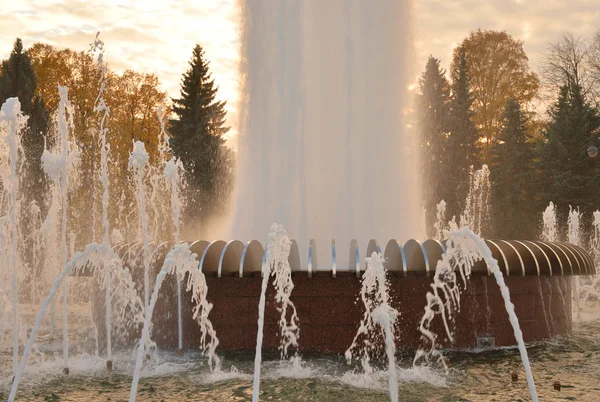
x: 17, y: 79
x: 197, y: 140
x: 432, y: 119
x: 512, y: 177
x: 569, y: 176
x: 462, y: 150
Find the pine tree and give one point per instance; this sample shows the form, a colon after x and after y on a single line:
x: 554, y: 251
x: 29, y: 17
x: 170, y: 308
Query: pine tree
x: 512, y: 177
x: 17, y: 79
x: 432, y: 117
x: 197, y: 139
x: 569, y: 176
x: 462, y: 150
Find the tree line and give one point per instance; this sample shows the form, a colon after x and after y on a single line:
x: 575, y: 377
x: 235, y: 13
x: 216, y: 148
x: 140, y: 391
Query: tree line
x: 195, y: 126
x: 486, y: 111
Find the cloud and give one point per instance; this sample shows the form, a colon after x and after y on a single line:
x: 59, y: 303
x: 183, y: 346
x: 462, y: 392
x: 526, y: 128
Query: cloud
x: 158, y: 36
x: 441, y: 23
x: 146, y: 36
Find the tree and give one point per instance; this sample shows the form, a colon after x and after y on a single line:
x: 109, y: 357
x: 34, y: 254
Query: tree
x: 17, y: 79
x: 52, y: 68
x: 570, y: 61
x: 134, y: 99
x: 197, y: 139
x: 512, y: 177
x: 498, y: 70
x: 594, y: 61
x: 462, y: 148
x: 569, y: 176
x: 432, y: 117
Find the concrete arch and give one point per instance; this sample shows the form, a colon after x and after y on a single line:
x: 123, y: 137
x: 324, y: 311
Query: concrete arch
x: 590, y: 266
x: 433, y: 251
x: 229, y: 261
x: 333, y: 259
x: 531, y: 264
x: 209, y: 263
x: 354, y: 258
x: 198, y: 247
x: 501, y: 262
x: 312, y: 257
x: 416, y: 260
x: 251, y: 258
x: 395, y: 259
x: 545, y: 266
x: 556, y: 263
x: 557, y: 246
x: 511, y: 251
x: 294, y: 257
x: 577, y: 258
x: 372, y: 247
x: 585, y: 259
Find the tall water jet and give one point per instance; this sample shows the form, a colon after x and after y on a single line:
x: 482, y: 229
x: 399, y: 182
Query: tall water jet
x: 276, y: 263
x: 171, y: 173
x: 596, y: 237
x: 183, y: 263
x: 323, y: 121
x: 440, y: 220
x: 100, y: 107
x: 574, y: 237
x: 138, y: 160
x: 452, y: 272
x: 549, y: 224
x: 477, y: 206
x: 56, y: 166
x: 378, y: 315
x: 13, y: 121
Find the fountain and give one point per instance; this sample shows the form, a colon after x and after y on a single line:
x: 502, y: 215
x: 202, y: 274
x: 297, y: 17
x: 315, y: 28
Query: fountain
x: 311, y: 122
x: 319, y: 170
x: 378, y: 314
x: 10, y: 114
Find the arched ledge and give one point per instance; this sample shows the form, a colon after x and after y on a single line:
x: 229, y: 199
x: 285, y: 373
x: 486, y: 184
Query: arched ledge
x: 395, y: 259
x: 230, y: 259
x: 416, y: 262
x: 251, y: 259
x: 209, y: 263
x: 354, y: 258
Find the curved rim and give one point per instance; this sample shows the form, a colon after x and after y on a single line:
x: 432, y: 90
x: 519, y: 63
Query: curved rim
x: 205, y: 252
x: 537, y: 265
x: 545, y: 256
x: 333, y: 258
x: 506, y: 266
x: 558, y: 246
x: 222, y: 257
x: 518, y: 255
x: 426, y: 257
x: 580, y: 260
x: 588, y: 263
x: 312, y: 256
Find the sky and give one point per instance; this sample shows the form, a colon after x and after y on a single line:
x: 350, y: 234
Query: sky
x: 157, y: 36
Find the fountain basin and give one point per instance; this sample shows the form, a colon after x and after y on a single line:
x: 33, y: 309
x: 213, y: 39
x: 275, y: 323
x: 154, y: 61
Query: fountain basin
x: 537, y: 274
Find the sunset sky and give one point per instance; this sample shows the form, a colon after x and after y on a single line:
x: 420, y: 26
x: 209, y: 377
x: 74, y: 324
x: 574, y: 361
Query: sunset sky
x: 158, y: 36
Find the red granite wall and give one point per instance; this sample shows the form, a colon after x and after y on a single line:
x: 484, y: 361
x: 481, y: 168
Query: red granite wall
x: 330, y: 312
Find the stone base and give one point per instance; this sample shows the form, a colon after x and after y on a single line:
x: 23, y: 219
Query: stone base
x: 330, y: 311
